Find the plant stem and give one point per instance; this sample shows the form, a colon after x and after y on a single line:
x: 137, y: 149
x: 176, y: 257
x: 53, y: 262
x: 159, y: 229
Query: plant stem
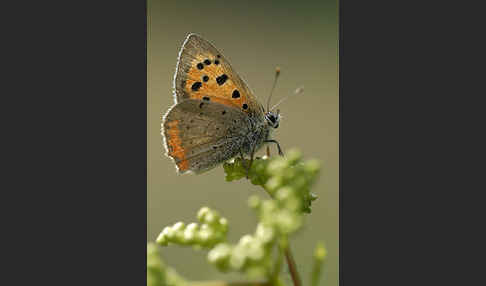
x: 278, y: 265
x: 292, y: 267
x: 288, y: 253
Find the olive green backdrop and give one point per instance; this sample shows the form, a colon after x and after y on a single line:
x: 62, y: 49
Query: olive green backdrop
x: 301, y: 37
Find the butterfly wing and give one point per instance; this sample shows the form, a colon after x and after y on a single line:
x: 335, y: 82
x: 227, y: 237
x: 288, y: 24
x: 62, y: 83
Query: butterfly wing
x: 204, y: 73
x: 199, y: 135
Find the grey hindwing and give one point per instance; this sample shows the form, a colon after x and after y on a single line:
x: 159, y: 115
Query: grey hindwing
x: 210, y: 132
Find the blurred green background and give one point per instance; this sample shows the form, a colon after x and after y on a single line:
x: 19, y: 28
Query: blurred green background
x: 301, y: 37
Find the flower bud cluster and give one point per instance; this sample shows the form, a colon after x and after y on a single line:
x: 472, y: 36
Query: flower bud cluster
x: 288, y: 173
x: 288, y: 181
x: 251, y: 255
x: 211, y: 230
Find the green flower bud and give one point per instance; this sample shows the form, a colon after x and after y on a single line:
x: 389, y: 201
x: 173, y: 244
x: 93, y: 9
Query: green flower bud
x: 245, y: 241
x: 254, y: 201
x: 284, y: 193
x: 238, y: 258
x: 202, y: 213
x: 320, y: 254
x: 205, y: 235
x: 220, y: 255
x: 277, y: 166
x: 293, y: 156
x: 255, y: 250
x: 273, y: 184
x: 288, y: 221
x: 312, y: 166
x: 264, y: 233
x: 162, y: 238
x: 223, y: 222
x: 178, y: 226
x: 170, y: 233
x: 190, y: 233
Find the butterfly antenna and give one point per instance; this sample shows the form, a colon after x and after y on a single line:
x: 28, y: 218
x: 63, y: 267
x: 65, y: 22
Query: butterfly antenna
x: 299, y: 90
x: 277, y: 73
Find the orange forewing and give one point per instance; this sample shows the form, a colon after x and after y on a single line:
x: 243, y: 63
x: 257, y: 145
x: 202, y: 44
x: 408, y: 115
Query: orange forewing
x: 203, y: 73
x: 218, y: 93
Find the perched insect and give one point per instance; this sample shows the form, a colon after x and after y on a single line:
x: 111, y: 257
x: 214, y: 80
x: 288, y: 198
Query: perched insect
x: 215, y: 116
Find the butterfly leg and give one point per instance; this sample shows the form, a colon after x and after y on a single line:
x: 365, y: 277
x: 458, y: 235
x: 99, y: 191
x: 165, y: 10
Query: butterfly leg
x: 278, y: 146
x: 244, y: 163
x: 242, y: 158
x: 251, y: 162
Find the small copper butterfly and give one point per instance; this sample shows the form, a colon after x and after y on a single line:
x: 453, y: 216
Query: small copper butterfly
x: 215, y: 117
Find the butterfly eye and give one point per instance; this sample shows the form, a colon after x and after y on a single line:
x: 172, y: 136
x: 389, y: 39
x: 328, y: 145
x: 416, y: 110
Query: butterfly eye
x: 272, y: 120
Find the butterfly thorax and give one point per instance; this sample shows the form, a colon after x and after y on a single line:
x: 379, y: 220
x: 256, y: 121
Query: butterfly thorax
x: 258, y: 132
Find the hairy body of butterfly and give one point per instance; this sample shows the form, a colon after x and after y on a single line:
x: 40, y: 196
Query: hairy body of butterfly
x: 215, y: 116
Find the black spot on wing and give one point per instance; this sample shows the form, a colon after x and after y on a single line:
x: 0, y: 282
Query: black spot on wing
x: 196, y: 86
x: 222, y: 79
x: 235, y: 94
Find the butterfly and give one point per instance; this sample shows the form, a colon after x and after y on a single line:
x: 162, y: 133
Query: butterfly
x: 215, y: 117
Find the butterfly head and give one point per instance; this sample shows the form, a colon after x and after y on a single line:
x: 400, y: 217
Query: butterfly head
x: 273, y: 119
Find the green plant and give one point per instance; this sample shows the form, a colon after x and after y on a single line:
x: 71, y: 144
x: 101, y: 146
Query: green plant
x: 288, y: 181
